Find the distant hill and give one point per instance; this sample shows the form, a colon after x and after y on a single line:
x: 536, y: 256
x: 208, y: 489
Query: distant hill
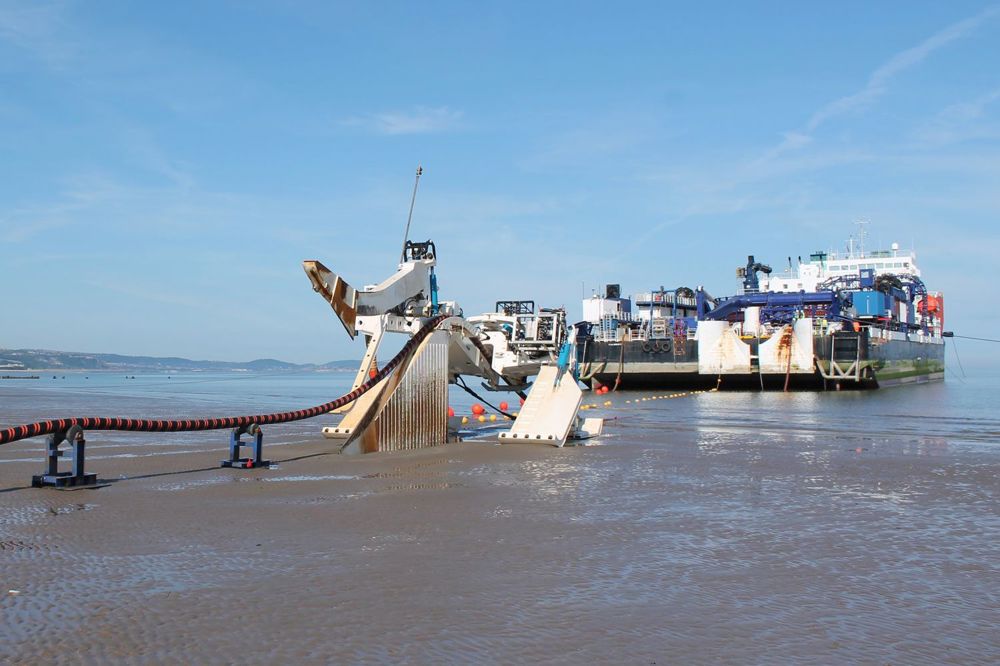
x: 44, y: 359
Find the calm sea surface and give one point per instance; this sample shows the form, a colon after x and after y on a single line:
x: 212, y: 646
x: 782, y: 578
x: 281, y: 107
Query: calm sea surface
x: 961, y: 411
x: 719, y: 527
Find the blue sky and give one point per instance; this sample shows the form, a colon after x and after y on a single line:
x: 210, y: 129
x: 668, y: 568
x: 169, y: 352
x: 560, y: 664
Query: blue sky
x: 167, y: 166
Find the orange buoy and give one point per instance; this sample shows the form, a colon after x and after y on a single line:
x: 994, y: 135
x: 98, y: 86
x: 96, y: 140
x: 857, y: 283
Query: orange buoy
x: 372, y: 373
x: 478, y: 409
x: 451, y: 412
x: 504, y: 405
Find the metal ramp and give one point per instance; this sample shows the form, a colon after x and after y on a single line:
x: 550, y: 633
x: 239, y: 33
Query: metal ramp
x: 407, y: 410
x: 845, y: 358
x: 550, y: 412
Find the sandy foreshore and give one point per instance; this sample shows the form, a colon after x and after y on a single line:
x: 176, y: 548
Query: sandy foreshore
x: 681, y: 546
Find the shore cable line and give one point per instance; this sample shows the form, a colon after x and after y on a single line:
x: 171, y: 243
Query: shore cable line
x: 969, y: 337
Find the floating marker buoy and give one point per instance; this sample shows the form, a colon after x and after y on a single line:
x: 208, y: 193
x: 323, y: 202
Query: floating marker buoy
x: 522, y: 401
x: 451, y: 412
x: 372, y: 373
x: 493, y: 417
x: 504, y: 406
x: 482, y: 419
x: 478, y: 409
x: 465, y: 419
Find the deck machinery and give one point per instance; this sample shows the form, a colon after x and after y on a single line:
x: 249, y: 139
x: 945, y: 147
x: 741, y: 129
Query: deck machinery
x: 860, y: 320
x: 409, y: 408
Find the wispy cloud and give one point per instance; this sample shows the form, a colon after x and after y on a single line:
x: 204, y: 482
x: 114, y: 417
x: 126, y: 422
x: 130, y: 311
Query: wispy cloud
x: 21, y: 223
x: 878, y: 81
x: 589, y: 140
x: 39, y: 28
x: 418, y: 120
x: 146, y: 151
x: 964, y: 121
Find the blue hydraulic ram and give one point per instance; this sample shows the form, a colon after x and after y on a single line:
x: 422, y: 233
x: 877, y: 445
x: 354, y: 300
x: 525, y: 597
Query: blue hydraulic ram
x: 776, y: 306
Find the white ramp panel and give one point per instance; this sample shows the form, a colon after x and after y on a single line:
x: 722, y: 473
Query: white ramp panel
x: 550, y: 410
x: 720, y: 350
x: 789, y: 351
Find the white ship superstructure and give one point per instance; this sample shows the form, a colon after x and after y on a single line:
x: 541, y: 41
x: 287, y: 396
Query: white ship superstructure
x: 825, y: 265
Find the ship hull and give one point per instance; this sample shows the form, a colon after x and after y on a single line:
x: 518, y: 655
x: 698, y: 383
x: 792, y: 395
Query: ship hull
x: 900, y: 362
x: 635, y: 364
x: 880, y: 363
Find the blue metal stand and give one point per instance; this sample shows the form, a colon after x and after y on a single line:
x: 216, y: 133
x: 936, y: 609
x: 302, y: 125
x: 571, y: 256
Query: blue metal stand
x: 236, y: 444
x: 76, y: 477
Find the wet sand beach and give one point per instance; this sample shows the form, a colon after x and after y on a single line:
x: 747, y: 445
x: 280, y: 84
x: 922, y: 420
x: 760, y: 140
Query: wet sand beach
x: 665, y: 542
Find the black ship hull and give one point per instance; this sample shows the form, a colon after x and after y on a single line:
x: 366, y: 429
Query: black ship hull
x: 841, y: 361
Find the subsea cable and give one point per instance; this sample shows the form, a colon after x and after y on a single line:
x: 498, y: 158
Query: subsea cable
x: 16, y: 433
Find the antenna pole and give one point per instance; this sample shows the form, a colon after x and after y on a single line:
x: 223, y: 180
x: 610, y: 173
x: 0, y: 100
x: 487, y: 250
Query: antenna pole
x: 861, y: 235
x: 406, y: 234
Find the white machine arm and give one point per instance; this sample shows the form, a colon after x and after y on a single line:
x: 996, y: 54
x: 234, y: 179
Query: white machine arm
x: 406, y: 293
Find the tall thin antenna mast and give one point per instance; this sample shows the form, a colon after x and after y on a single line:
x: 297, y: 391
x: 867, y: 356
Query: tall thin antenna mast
x: 861, y: 222
x: 409, y: 218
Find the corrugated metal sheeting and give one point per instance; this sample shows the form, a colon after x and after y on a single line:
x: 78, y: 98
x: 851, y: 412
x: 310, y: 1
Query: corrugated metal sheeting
x: 416, y: 415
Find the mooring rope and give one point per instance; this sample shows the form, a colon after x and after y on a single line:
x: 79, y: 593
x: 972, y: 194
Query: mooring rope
x: 19, y: 432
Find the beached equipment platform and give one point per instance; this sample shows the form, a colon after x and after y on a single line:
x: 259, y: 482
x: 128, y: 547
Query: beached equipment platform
x: 409, y: 408
x: 549, y: 415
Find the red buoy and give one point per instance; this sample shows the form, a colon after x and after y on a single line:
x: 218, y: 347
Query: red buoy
x: 503, y: 406
x: 451, y: 412
x: 478, y: 409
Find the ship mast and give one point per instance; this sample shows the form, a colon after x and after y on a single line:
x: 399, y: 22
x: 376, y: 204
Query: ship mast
x: 861, y: 235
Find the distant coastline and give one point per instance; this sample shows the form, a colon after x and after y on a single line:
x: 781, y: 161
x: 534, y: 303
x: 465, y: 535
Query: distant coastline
x: 34, y: 360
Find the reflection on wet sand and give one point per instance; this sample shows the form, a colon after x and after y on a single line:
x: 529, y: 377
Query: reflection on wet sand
x: 724, y: 529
